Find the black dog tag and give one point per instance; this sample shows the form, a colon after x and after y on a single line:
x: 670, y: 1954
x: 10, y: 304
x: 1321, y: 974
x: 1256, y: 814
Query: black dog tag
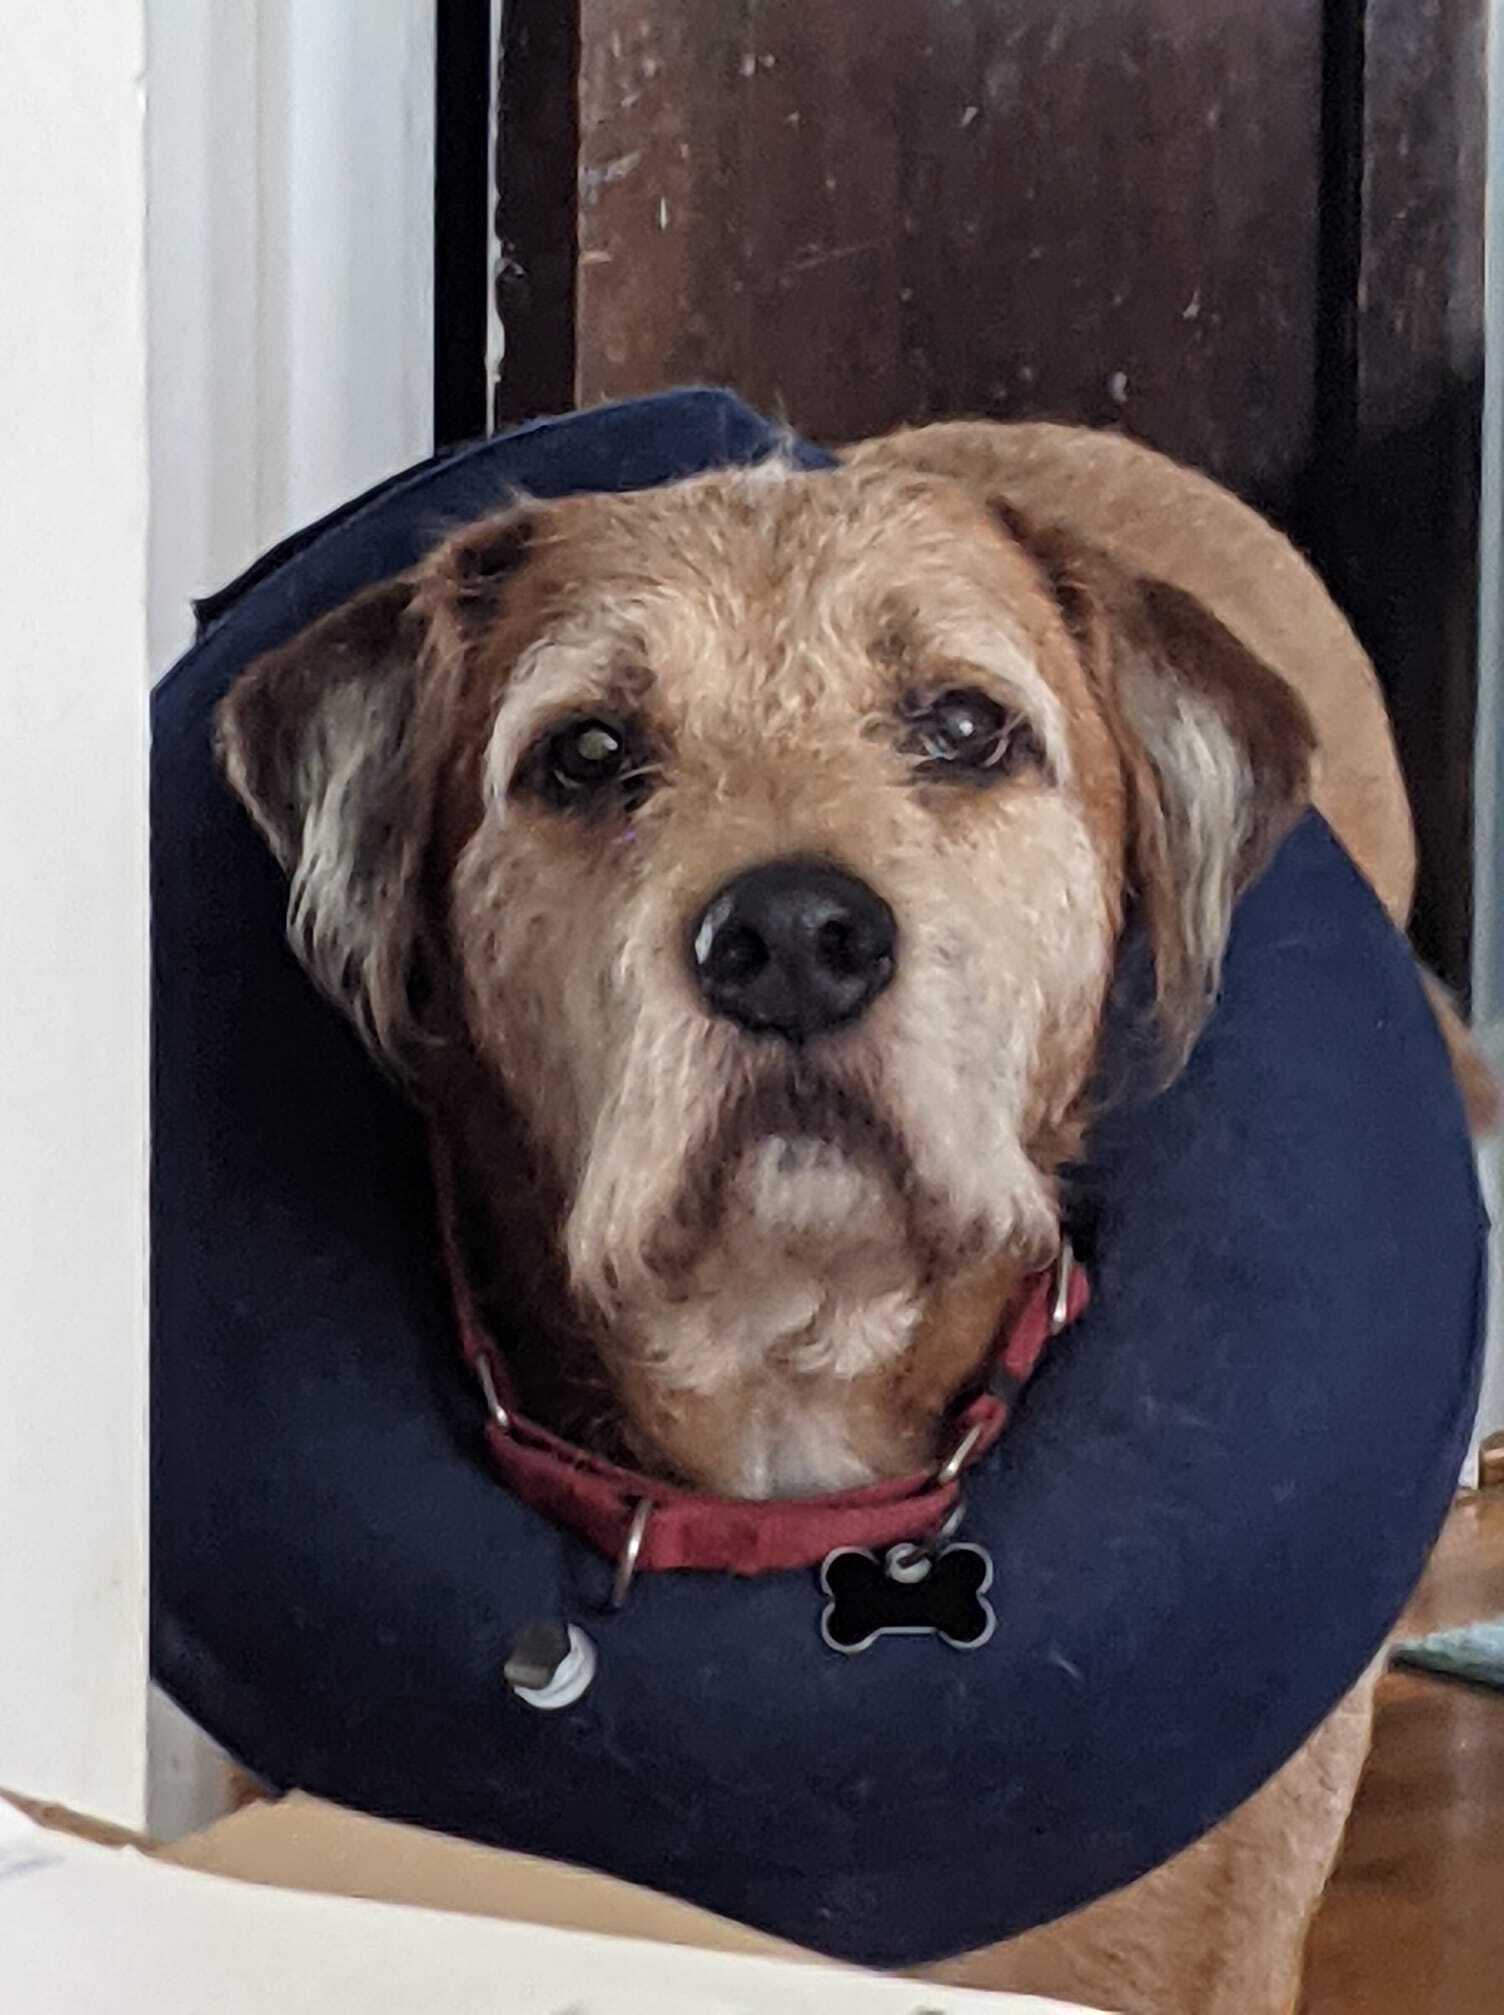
x: 909, y: 1592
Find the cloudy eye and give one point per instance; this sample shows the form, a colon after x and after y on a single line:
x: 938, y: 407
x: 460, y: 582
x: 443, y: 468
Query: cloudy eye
x: 585, y: 760
x: 587, y: 753
x: 967, y: 734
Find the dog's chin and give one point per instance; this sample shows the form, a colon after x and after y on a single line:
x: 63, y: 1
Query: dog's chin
x: 742, y: 1371
x: 758, y: 1352
x: 808, y: 1196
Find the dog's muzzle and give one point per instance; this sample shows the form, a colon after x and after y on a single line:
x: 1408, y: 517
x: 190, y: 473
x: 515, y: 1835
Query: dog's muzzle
x: 793, y: 949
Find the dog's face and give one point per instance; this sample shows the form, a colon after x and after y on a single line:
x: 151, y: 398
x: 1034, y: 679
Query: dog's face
x: 769, y: 838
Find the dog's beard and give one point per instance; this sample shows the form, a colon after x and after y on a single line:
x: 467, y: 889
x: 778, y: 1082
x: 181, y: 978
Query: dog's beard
x: 706, y: 1156
x: 789, y: 1265
x: 809, y: 1194
x: 741, y: 1156
x: 762, y: 1233
x: 798, y: 1161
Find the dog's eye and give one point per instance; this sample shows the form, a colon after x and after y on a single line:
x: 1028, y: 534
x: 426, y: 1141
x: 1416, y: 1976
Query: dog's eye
x: 587, y: 753
x: 967, y: 733
x: 586, y: 757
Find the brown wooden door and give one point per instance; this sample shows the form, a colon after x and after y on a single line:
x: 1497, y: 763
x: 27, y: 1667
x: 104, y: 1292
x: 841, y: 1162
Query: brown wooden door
x: 1248, y: 231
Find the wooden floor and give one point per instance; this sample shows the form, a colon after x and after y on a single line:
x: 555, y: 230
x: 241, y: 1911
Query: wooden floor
x: 1414, y: 1921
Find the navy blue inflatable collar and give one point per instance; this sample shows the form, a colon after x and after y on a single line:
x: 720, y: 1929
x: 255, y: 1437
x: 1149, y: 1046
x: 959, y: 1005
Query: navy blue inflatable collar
x: 1194, y: 1556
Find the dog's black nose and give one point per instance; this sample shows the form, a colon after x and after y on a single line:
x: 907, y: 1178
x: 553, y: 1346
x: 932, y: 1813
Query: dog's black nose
x: 793, y: 949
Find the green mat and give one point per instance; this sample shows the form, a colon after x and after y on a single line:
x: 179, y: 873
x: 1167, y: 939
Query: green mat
x: 1475, y: 1652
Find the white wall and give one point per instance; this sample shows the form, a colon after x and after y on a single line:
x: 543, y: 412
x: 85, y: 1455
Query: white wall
x: 73, y: 1024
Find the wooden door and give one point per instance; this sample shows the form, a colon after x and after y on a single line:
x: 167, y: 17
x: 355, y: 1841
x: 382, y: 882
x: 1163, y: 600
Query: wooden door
x: 1247, y: 231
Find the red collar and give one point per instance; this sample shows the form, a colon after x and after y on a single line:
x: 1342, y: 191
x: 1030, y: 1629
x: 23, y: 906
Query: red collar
x: 644, y: 1524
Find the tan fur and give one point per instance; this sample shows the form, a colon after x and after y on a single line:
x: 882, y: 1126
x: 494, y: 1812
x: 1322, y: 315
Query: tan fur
x: 772, y: 1272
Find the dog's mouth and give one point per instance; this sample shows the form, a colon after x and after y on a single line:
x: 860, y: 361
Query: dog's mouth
x: 809, y: 1159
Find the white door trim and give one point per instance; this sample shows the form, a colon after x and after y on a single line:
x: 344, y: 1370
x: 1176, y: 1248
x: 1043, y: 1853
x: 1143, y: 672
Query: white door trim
x: 290, y: 249
x: 73, y: 907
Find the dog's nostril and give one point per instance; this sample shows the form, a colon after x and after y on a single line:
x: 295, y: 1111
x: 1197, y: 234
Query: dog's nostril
x: 839, y: 945
x: 736, y: 953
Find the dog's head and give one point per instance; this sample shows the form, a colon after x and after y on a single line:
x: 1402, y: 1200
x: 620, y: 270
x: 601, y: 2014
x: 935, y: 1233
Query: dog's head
x: 765, y: 842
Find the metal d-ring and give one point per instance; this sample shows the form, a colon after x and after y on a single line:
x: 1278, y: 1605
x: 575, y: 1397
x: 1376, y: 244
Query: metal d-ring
x: 956, y: 1461
x: 493, y: 1398
x: 1060, y: 1306
x: 912, y: 1559
x: 626, y: 1566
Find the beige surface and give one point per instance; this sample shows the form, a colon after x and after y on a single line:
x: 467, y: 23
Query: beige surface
x: 303, y: 1843
x: 87, y: 1929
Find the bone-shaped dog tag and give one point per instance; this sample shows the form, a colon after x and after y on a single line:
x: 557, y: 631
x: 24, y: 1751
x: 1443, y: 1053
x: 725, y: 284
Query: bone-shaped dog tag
x: 909, y: 1592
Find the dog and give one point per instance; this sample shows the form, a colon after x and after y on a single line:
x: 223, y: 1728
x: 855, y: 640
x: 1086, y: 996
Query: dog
x: 735, y: 872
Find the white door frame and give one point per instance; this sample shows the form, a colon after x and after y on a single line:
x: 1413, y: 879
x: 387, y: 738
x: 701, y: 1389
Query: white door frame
x: 290, y: 246
x: 73, y: 1056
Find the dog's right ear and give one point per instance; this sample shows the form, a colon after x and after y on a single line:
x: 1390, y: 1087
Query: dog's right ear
x: 336, y: 741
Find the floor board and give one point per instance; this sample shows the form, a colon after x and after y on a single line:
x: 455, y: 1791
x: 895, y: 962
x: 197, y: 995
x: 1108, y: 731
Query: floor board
x: 1413, y: 1923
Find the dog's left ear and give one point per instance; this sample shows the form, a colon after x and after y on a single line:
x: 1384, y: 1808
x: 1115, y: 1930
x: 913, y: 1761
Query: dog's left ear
x: 1217, y: 751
